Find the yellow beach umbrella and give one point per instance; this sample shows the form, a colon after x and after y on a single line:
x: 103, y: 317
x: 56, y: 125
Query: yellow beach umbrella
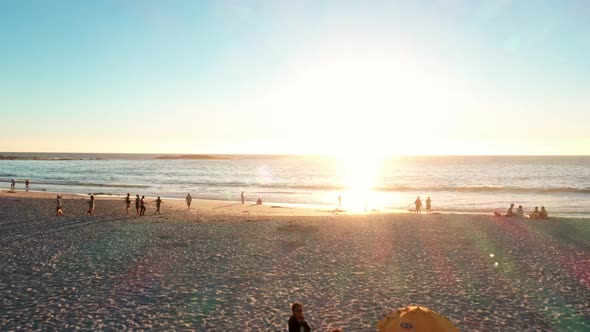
x: 415, y: 319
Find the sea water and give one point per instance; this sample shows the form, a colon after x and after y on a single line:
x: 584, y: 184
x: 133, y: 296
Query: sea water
x: 467, y: 184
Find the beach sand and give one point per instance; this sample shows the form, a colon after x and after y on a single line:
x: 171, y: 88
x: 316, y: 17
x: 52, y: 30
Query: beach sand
x: 224, y: 266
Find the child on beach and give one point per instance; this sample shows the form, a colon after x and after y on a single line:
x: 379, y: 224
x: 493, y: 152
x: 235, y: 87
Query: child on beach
x: 509, y: 212
x: 91, y: 205
x: 534, y: 214
x: 297, y: 322
x: 158, y: 202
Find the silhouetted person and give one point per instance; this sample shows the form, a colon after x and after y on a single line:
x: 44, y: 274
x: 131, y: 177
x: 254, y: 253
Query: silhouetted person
x: 242, y: 195
x: 158, y: 202
x: 259, y: 201
x: 428, y: 207
x: 543, y: 214
x: 509, y: 212
x: 297, y: 322
x: 58, y: 207
x: 12, y: 185
x: 127, y: 203
x: 142, y: 206
x: 535, y: 214
x: 137, y: 204
x: 188, y: 200
x: 418, y: 203
x: 27, y: 185
x: 91, y: 205
x: 520, y: 212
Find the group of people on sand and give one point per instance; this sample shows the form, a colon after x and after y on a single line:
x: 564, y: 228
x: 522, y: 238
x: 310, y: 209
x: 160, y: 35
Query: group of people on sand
x: 418, y: 204
x: 536, y: 214
x: 140, y: 204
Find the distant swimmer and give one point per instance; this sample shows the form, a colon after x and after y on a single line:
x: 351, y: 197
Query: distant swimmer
x: 418, y: 203
x: 428, y: 207
x: 158, y: 202
x: 188, y: 200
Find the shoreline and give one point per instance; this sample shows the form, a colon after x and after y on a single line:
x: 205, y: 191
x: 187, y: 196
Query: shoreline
x: 294, y: 209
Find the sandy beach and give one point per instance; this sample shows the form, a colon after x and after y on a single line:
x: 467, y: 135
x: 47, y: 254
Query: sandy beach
x: 226, y: 266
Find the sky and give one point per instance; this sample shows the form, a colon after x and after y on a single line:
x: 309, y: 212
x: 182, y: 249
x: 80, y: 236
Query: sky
x: 296, y: 77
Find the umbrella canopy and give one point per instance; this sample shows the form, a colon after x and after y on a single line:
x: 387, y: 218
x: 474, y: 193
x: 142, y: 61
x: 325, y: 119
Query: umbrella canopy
x: 415, y: 319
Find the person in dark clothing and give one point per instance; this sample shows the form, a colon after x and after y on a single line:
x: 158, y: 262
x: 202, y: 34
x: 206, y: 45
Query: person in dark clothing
x: 158, y: 202
x: 297, y: 322
x: 142, y: 206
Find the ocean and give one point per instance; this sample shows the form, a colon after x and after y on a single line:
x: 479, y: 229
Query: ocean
x: 462, y: 184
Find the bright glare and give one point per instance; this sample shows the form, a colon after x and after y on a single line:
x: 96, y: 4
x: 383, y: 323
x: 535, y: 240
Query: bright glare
x: 358, y: 176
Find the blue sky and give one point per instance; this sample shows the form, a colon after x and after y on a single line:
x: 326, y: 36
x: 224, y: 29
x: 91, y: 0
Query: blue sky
x: 387, y: 77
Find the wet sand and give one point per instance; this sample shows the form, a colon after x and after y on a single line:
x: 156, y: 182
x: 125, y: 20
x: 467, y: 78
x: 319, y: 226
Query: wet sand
x: 224, y: 266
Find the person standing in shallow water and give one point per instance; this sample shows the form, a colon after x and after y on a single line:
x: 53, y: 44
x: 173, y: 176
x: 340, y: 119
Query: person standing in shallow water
x: 418, y: 203
x: 188, y: 200
x: 428, y: 207
x: 27, y: 185
x: 297, y: 322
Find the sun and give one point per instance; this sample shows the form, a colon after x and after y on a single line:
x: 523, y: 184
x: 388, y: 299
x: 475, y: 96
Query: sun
x: 358, y: 176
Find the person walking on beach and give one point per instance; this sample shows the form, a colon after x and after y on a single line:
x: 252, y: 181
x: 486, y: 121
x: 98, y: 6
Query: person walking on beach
x: 12, y: 185
x: 137, y: 204
x: 142, y: 206
x: 27, y: 185
x: 428, y: 206
x: 91, y: 205
x: 158, y: 202
x: 127, y: 203
x: 297, y: 322
x: 188, y: 200
x: 242, y: 195
x: 418, y: 203
x: 59, y: 206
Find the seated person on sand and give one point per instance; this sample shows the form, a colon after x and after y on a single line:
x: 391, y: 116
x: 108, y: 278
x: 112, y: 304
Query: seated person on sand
x: 535, y: 214
x: 543, y: 214
x: 259, y: 201
x: 520, y: 212
x: 297, y: 322
x: 509, y: 212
